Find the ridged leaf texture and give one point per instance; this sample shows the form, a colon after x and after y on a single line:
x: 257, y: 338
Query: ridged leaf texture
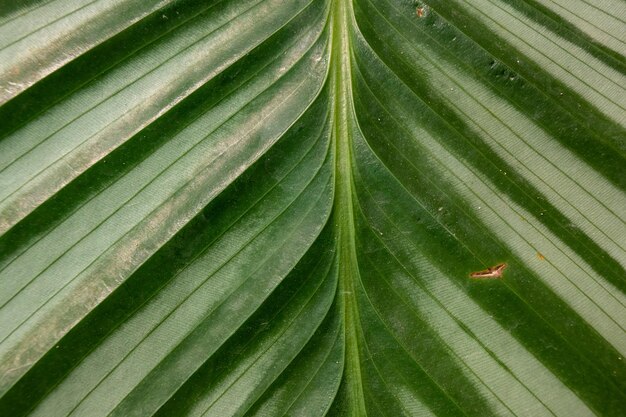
x: 271, y: 207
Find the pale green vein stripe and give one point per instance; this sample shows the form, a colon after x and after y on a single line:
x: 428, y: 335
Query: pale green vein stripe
x: 600, y: 84
x: 538, y: 33
x: 606, y: 28
x: 412, y: 403
x: 482, y: 196
x: 116, y: 223
x: 24, y: 10
x: 28, y: 60
x: 26, y: 188
x: 16, y: 30
x: 609, y: 8
x: 74, y: 107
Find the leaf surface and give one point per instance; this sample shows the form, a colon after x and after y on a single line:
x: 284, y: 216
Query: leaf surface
x: 267, y: 208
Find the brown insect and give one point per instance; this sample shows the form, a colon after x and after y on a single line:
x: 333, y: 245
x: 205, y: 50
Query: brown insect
x: 492, y: 272
x: 419, y: 12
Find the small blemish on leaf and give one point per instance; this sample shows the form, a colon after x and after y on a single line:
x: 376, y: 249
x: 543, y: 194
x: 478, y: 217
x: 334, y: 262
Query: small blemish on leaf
x: 421, y: 9
x: 492, y: 272
x: 540, y: 256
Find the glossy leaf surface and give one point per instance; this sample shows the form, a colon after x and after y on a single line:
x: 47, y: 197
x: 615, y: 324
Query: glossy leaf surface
x: 268, y: 207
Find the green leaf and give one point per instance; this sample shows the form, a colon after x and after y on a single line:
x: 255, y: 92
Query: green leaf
x: 268, y: 207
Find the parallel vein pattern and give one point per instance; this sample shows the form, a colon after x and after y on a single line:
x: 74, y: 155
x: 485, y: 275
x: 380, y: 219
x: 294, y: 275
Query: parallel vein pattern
x: 269, y: 208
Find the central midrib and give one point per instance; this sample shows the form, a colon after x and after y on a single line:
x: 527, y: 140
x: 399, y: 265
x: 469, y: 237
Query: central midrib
x: 343, y: 125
